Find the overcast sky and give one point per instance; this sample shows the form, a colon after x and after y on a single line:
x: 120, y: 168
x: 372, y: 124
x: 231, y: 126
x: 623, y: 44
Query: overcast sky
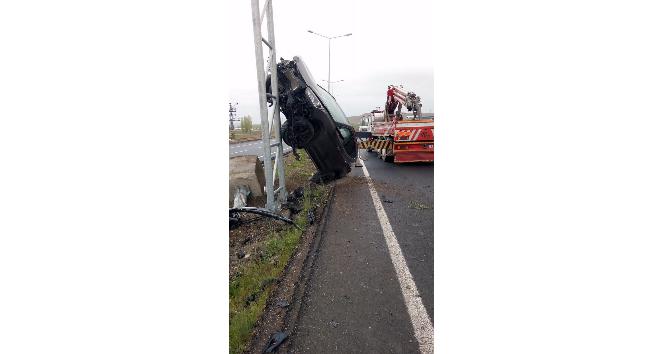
x: 369, y: 60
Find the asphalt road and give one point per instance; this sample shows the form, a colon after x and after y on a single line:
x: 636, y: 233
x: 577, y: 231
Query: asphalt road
x: 354, y: 302
x: 252, y: 148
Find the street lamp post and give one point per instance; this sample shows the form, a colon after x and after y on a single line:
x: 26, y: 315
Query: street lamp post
x: 329, y: 45
x: 331, y: 82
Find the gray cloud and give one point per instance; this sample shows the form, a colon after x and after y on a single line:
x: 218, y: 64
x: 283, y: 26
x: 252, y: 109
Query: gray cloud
x: 375, y: 56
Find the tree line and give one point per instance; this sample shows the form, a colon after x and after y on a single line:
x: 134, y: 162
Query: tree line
x: 245, y: 124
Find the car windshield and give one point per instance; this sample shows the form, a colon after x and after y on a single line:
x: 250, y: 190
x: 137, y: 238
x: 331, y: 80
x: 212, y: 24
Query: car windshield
x: 332, y: 106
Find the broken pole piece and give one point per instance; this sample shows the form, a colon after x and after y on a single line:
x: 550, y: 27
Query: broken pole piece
x: 241, y: 194
x: 246, y: 170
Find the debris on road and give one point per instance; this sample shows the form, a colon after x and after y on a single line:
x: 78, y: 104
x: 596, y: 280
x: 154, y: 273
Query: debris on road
x: 282, y: 303
x: 294, y: 200
x: 235, y: 220
x: 297, y: 194
x: 275, y: 342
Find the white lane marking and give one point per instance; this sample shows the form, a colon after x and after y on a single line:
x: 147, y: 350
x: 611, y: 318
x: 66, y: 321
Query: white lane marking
x: 418, y: 315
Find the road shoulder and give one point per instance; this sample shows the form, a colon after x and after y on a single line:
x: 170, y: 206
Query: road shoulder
x: 353, y: 302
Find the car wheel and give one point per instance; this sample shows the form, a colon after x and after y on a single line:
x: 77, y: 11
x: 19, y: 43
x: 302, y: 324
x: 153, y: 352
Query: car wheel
x: 300, y: 135
x: 284, y: 134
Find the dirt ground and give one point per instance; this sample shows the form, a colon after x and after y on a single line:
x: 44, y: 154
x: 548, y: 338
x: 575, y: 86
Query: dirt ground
x: 245, y: 241
x: 240, y: 137
x: 283, y: 306
x: 252, y: 243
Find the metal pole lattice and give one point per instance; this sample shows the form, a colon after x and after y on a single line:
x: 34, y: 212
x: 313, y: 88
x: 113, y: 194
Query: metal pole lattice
x: 272, y: 203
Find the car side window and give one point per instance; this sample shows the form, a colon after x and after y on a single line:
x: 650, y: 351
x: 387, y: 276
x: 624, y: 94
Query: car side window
x: 345, y: 133
x: 332, y: 106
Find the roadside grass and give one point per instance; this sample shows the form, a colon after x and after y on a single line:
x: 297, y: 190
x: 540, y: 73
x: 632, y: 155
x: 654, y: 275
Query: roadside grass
x: 239, y: 136
x: 419, y: 206
x: 299, y: 170
x: 253, y: 283
x: 256, y: 133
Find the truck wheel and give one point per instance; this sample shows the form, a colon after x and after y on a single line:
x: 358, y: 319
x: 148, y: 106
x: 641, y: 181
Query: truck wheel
x: 382, y: 153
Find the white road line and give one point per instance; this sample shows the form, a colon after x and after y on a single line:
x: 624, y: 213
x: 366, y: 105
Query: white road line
x: 418, y: 315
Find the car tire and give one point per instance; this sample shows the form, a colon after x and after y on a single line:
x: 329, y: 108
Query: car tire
x: 303, y: 132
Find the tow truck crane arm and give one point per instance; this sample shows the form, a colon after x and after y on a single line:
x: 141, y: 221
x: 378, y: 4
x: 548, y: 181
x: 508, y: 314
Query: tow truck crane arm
x: 398, y: 97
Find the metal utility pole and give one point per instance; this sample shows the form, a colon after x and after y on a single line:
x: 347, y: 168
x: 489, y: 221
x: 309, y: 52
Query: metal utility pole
x: 329, y: 60
x: 331, y: 82
x: 232, y: 109
x: 259, y: 40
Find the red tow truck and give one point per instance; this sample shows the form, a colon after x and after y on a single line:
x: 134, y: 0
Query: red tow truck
x: 395, y: 137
